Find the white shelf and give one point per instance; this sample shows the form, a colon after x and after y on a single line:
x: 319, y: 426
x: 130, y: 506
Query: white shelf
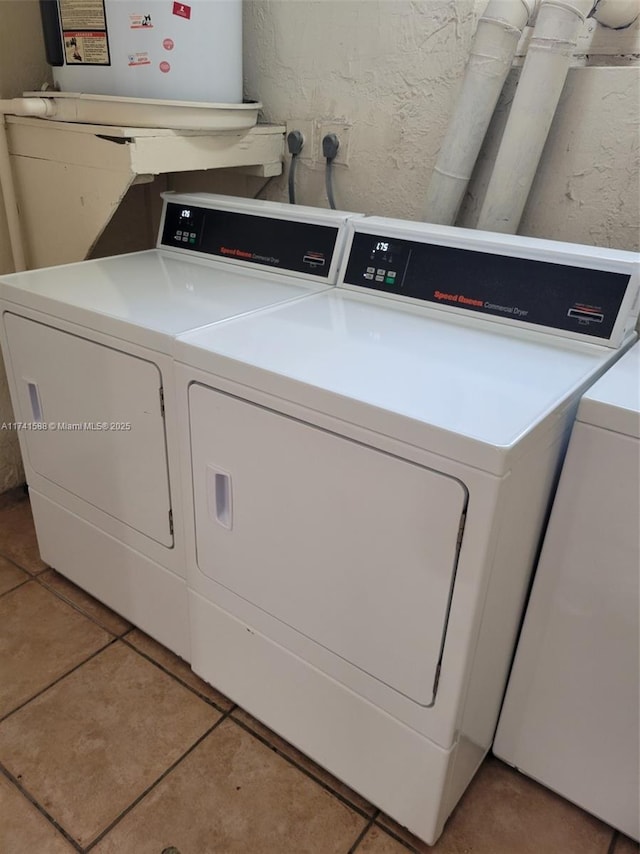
x: 71, y: 177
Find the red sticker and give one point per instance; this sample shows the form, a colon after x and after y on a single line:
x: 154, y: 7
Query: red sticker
x: 167, y: 44
x: 164, y: 67
x: 182, y: 10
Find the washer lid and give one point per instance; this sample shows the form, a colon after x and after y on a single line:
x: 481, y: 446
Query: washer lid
x: 465, y: 388
x: 146, y: 297
x: 614, y: 401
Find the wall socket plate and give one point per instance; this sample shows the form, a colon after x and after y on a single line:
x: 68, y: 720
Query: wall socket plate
x: 307, y: 127
x: 343, y: 131
x: 314, y: 131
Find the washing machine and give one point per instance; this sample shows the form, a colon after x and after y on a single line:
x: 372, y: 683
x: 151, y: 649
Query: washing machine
x: 571, y: 713
x: 368, y: 473
x: 87, y: 348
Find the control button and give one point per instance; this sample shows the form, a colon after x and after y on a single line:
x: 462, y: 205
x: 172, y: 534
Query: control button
x: 391, y: 274
x: 185, y: 239
x: 368, y: 275
x: 371, y: 269
x: 390, y: 280
x: 381, y: 272
x: 193, y: 234
x: 178, y: 234
x: 379, y: 278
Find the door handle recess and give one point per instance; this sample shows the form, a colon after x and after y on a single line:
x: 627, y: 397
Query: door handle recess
x: 34, y: 400
x: 219, y: 500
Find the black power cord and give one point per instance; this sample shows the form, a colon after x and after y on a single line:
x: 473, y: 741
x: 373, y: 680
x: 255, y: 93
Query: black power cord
x: 295, y: 142
x: 330, y: 146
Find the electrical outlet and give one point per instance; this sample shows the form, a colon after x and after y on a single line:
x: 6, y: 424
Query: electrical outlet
x: 343, y: 131
x: 307, y: 128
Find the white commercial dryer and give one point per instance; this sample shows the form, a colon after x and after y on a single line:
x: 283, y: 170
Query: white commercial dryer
x: 87, y: 349
x: 571, y: 716
x: 368, y: 473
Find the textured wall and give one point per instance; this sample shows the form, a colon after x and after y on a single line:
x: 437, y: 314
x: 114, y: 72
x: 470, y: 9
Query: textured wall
x: 391, y: 69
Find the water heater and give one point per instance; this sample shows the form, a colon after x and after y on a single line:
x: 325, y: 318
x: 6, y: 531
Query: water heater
x: 189, y: 51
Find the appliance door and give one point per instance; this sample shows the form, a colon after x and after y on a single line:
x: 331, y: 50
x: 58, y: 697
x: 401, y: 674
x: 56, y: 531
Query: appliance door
x: 95, y: 423
x: 350, y: 546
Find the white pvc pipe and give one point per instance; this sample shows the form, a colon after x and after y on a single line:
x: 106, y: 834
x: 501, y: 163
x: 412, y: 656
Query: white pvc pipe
x: 494, y: 46
x: 543, y: 76
x: 18, y: 107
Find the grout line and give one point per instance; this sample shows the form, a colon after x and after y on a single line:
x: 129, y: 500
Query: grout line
x: 153, y: 785
x: 78, y: 608
x: 39, y: 807
x: 59, y: 679
x: 305, y: 771
x: 177, y: 678
x: 394, y: 835
x: 19, y: 566
x: 362, y: 834
x: 19, y: 584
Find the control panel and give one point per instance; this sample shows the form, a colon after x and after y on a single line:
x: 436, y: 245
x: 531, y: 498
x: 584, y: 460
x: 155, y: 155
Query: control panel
x: 558, y: 296
x: 285, y: 244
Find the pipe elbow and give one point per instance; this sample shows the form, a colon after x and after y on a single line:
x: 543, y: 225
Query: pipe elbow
x: 38, y: 107
x: 616, y: 14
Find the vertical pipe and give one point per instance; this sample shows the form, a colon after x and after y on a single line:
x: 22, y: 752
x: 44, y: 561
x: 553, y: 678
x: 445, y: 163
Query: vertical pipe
x: 541, y: 82
x: 494, y: 46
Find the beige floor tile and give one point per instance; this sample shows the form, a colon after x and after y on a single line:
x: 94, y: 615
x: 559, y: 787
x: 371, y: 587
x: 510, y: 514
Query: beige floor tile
x: 179, y: 668
x: 18, y: 536
x: 24, y: 830
x: 624, y: 845
x: 304, y: 762
x: 91, y: 744
x: 94, y: 609
x: 10, y: 575
x: 378, y: 842
x: 504, y: 812
x: 233, y: 795
x: 41, y: 639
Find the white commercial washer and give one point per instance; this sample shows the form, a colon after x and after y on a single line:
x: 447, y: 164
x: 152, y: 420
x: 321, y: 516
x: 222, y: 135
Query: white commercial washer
x: 571, y: 715
x: 87, y: 349
x: 367, y: 476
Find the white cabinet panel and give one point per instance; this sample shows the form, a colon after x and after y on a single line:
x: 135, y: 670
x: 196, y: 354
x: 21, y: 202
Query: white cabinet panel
x: 571, y: 717
x: 352, y: 547
x: 61, y: 380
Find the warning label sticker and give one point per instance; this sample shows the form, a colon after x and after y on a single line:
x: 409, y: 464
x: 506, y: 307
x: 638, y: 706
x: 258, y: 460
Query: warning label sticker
x: 82, y: 15
x: 139, y: 58
x: 140, y: 22
x: 86, y: 48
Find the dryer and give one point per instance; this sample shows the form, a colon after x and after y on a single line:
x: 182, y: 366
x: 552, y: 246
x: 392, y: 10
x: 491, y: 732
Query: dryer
x: 571, y: 716
x: 367, y: 476
x: 87, y: 348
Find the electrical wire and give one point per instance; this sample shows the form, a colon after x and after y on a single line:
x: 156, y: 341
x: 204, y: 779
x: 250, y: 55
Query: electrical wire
x: 295, y: 143
x: 330, y: 146
x: 292, y: 179
x: 328, y: 182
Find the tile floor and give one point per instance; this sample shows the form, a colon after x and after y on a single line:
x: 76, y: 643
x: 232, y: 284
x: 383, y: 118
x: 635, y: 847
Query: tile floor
x: 110, y: 744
